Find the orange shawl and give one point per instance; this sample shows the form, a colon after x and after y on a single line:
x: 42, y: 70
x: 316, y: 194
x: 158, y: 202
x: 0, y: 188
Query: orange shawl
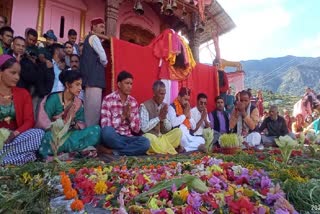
x: 179, y: 111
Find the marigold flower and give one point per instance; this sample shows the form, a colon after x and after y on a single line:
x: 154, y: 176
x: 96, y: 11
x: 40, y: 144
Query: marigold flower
x: 65, y: 181
x: 72, y: 171
x: 70, y: 193
x: 100, y: 188
x: 77, y: 205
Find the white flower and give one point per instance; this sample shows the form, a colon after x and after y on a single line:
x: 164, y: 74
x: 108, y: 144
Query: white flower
x: 237, y: 170
x: 286, y: 141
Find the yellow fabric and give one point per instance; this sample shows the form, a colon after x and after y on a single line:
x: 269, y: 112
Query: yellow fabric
x: 172, y: 56
x: 192, y: 62
x: 179, y: 73
x: 164, y: 144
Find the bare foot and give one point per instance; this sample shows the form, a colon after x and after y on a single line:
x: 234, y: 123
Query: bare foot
x: 180, y: 149
x: 103, y: 150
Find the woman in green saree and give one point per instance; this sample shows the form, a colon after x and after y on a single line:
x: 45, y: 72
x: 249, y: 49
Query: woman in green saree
x: 67, y: 106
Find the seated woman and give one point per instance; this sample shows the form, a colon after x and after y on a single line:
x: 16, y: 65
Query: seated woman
x: 16, y: 115
x: 67, y: 105
x: 314, y: 126
x: 299, y: 125
x: 308, y: 120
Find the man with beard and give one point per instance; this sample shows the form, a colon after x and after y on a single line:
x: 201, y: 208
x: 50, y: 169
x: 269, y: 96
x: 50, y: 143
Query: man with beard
x: 219, y: 119
x: 74, y: 62
x: 180, y: 116
x: 244, y: 120
x: 200, y: 115
x: 6, y: 35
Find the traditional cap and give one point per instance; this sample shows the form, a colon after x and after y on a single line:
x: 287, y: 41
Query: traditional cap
x: 97, y: 21
x: 4, y: 58
x: 50, y: 34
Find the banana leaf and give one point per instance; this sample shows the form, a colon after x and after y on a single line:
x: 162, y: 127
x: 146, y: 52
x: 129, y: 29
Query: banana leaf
x: 192, y: 182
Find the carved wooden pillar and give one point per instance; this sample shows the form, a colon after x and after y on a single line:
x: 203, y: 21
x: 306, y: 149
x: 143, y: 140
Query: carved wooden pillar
x: 42, y: 4
x: 82, y: 24
x: 194, y: 38
x: 111, y: 16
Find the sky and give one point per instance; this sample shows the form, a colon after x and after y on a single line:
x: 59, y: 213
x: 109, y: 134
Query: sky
x: 269, y: 28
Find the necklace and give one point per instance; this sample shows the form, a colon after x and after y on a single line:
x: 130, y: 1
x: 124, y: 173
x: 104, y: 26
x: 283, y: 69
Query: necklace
x: 7, y: 97
x: 63, y: 103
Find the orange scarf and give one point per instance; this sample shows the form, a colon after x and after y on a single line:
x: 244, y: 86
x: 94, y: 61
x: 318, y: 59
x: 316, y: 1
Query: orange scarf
x: 179, y: 111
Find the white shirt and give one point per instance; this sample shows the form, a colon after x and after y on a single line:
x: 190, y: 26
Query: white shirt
x: 196, y: 116
x: 57, y: 85
x: 147, y: 124
x: 95, y: 43
x: 178, y: 120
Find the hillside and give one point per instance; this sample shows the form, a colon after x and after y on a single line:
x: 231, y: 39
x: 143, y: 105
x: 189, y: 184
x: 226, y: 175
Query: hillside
x: 284, y: 75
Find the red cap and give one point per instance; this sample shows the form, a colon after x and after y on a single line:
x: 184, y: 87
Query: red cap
x: 97, y: 21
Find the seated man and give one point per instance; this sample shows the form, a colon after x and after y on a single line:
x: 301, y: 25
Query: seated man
x: 120, y: 117
x: 219, y: 119
x: 180, y: 116
x: 275, y: 125
x: 156, y: 126
x: 200, y: 115
x: 244, y: 120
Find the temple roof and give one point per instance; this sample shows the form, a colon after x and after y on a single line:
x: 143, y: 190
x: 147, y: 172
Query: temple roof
x: 217, y: 20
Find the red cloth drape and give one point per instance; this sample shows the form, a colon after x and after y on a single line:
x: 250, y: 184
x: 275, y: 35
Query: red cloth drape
x: 143, y: 65
x: 204, y: 79
x: 140, y: 62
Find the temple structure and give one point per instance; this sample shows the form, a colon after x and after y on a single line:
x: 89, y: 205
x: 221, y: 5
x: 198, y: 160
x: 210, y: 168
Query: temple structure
x: 137, y: 21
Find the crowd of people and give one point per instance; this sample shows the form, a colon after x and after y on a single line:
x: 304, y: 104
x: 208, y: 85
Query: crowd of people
x: 40, y: 83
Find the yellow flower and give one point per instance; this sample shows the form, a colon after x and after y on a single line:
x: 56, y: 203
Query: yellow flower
x: 231, y: 190
x: 26, y: 178
x: 107, y: 169
x: 152, y: 204
x: 214, y: 168
x: 100, y: 188
x: 147, y: 178
x: 183, y: 194
x: 109, y: 197
x: 220, y: 199
x: 248, y: 192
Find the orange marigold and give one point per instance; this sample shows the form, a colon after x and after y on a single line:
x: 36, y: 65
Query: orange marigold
x: 72, y: 171
x: 65, y: 181
x: 70, y: 193
x: 77, y: 205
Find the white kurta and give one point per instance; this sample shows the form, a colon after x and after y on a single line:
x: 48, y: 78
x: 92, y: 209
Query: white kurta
x: 189, y: 142
x: 196, y: 116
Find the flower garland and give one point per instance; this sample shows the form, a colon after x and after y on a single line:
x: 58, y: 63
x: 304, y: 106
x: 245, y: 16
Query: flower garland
x: 179, y: 111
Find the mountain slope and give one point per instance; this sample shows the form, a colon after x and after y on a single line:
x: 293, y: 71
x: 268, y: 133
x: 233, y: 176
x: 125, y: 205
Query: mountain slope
x: 285, y: 75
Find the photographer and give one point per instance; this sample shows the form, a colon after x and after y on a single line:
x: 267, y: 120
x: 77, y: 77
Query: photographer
x: 34, y: 76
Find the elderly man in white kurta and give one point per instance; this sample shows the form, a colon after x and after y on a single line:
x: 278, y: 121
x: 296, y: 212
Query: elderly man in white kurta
x: 180, y: 116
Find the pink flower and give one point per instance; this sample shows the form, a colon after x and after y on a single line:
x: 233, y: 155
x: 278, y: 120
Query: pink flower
x: 164, y: 194
x: 242, y: 205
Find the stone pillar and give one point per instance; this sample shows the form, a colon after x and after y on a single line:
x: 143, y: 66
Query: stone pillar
x: 40, y: 20
x: 111, y: 16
